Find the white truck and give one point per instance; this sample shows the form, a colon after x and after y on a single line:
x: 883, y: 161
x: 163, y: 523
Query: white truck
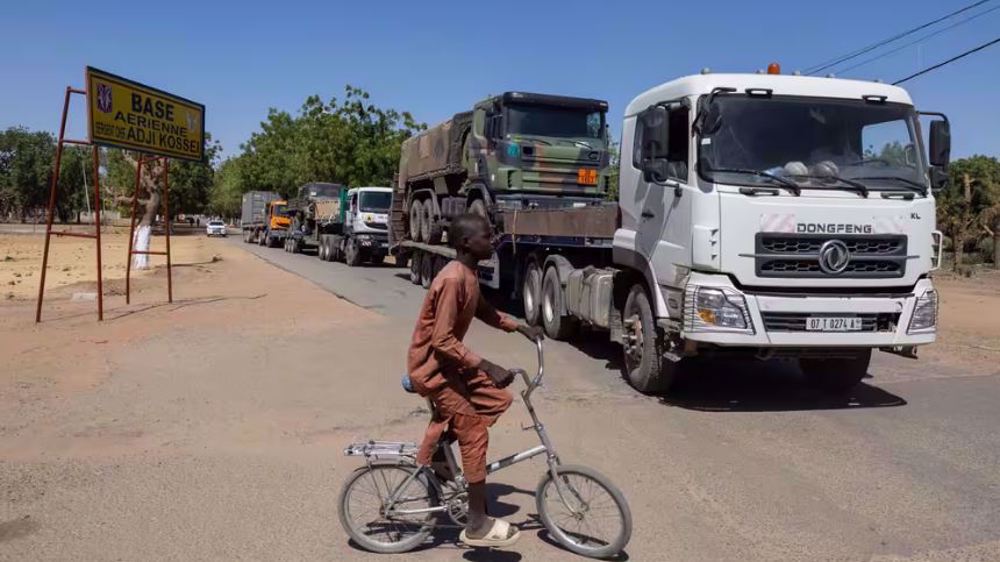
x: 363, y: 228
x: 758, y: 215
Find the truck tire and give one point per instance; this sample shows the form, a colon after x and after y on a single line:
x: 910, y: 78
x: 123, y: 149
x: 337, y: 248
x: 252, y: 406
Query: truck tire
x: 416, y: 260
x: 416, y: 220
x: 836, y: 376
x: 557, y: 326
x: 531, y: 293
x: 426, y: 270
x: 352, y: 254
x: 427, y: 220
x: 323, y: 249
x: 261, y: 238
x: 644, y: 367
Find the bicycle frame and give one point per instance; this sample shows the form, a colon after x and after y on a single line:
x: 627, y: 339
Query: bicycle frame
x: 379, y: 449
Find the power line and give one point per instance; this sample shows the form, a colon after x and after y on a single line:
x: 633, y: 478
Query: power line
x: 873, y: 46
x: 918, y: 40
x: 949, y: 61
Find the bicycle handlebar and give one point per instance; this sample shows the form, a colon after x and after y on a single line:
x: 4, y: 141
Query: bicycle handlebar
x: 529, y: 383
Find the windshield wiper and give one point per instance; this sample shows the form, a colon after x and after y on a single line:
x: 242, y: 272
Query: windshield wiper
x: 535, y: 139
x: 784, y: 182
x: 910, y: 184
x: 858, y: 186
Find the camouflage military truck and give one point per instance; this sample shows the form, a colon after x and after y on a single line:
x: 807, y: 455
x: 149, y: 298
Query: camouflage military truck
x: 315, y: 211
x: 512, y: 151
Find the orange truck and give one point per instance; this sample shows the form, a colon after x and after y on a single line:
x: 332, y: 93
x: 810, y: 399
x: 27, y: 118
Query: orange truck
x: 265, y: 219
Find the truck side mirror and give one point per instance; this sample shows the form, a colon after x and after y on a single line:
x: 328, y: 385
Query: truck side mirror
x: 654, y: 170
x: 940, y: 144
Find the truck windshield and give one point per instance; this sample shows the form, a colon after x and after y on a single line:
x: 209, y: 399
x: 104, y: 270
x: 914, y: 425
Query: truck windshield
x: 281, y: 210
x: 814, y: 142
x: 554, y: 121
x: 375, y: 201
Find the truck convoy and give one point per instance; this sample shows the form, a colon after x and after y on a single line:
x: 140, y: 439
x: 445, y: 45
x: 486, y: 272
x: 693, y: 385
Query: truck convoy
x: 340, y: 223
x: 758, y: 216
x: 264, y: 218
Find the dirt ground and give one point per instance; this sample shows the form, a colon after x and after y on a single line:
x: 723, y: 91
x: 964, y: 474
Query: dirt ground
x: 72, y: 261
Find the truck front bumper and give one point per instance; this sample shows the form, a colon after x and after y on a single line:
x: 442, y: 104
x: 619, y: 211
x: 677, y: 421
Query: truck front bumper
x: 373, y: 242
x: 783, y: 320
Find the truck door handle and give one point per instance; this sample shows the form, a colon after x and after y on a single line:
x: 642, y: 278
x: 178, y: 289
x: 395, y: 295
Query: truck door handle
x: 648, y: 214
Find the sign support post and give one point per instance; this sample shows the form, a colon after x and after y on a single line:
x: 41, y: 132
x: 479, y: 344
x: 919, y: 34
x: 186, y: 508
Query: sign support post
x: 50, y: 210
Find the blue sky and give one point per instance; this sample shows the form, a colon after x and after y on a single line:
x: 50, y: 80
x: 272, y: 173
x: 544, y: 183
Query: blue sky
x: 436, y: 58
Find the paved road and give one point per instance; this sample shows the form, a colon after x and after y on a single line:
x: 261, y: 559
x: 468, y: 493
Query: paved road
x: 746, y: 462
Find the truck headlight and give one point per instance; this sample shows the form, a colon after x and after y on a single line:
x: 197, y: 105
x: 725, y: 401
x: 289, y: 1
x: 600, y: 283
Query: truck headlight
x: 716, y: 309
x: 924, y: 312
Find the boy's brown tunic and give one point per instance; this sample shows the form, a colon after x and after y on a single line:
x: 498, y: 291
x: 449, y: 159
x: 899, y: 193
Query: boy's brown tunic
x: 444, y: 370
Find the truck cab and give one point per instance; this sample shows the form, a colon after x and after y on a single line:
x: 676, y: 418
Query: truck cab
x: 366, y: 221
x: 782, y: 215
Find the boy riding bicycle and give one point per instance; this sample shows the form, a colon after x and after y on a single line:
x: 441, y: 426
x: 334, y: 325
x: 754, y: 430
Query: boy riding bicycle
x: 467, y: 390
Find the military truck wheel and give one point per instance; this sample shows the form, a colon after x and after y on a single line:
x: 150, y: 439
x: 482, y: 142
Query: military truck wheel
x: 557, y: 326
x: 296, y: 246
x: 837, y: 376
x: 416, y: 260
x: 644, y: 367
x: 427, y: 270
x: 478, y: 207
x: 427, y: 220
x: 352, y: 254
x: 260, y: 238
x: 416, y: 217
x: 531, y: 293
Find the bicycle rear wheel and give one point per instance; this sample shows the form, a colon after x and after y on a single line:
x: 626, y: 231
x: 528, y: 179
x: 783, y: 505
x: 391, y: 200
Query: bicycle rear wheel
x: 594, y: 520
x: 362, y: 508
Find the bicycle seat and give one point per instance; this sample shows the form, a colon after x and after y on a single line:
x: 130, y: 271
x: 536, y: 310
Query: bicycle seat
x: 407, y: 385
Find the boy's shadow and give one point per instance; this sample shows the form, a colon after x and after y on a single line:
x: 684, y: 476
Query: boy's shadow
x: 497, y: 508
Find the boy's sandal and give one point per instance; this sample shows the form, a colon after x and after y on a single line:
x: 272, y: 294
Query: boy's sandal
x: 498, y: 536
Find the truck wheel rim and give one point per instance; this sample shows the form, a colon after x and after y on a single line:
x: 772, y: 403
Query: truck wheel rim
x: 547, y: 307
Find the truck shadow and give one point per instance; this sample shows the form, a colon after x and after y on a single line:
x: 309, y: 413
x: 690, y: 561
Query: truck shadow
x: 764, y: 386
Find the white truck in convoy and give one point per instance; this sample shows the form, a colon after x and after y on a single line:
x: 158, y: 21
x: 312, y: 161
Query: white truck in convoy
x: 362, y: 232
x: 758, y: 215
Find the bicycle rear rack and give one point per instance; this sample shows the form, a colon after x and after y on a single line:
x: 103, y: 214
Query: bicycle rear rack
x: 382, y: 449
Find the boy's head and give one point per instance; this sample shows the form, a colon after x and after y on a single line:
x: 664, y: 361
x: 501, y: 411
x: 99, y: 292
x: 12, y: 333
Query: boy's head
x: 471, y: 234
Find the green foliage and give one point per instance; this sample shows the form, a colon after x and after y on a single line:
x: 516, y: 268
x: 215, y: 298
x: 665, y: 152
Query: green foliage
x: 25, y: 170
x: 226, y: 194
x: 970, y: 206
x: 614, y: 151
x: 352, y: 142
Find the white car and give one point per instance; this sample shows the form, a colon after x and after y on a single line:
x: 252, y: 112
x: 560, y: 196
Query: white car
x: 215, y: 228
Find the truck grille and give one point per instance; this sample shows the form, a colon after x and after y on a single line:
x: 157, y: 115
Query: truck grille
x: 796, y: 321
x: 797, y: 255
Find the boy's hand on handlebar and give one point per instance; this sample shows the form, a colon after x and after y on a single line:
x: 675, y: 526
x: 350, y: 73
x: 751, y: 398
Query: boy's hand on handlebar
x: 533, y: 333
x: 501, y: 377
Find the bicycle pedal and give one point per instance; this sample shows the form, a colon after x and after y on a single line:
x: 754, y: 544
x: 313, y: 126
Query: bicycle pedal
x: 527, y: 427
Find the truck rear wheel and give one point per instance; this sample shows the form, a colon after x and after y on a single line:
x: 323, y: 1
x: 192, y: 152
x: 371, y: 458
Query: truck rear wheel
x: 416, y: 260
x: 426, y: 270
x: 557, y: 326
x: 324, y: 249
x: 531, y: 293
x: 416, y: 220
x: 837, y: 376
x: 645, y: 368
x: 427, y: 221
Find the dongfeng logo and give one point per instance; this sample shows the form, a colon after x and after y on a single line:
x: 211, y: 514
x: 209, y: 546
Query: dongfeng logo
x: 104, y: 98
x: 834, y: 257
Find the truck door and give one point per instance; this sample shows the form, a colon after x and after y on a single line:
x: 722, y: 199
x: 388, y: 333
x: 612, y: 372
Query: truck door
x: 352, y: 210
x: 663, y: 190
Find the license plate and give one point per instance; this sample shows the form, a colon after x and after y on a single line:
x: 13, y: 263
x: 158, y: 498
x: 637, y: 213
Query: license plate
x: 833, y: 324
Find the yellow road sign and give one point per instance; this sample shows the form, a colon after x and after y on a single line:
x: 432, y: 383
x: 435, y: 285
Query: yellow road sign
x: 126, y: 114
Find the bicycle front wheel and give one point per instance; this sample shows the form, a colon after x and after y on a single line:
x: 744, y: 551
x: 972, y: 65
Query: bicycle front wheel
x: 584, y: 511
x: 363, y: 502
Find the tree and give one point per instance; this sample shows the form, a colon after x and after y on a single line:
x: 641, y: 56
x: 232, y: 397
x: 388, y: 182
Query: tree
x: 76, y: 181
x: 971, y: 204
x: 25, y: 170
x: 225, y: 198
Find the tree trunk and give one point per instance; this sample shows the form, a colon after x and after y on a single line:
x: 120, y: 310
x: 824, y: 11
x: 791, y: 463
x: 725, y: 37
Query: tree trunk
x: 958, y: 241
x: 150, y: 181
x: 996, y: 242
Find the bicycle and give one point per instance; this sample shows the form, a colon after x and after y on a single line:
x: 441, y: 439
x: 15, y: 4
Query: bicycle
x: 405, y: 500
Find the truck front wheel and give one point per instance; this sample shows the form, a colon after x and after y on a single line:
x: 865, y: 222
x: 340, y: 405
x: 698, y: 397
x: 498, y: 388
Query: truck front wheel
x: 557, y: 326
x: 352, y: 254
x: 645, y: 368
x: 837, y: 376
x: 427, y: 270
x: 416, y: 261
